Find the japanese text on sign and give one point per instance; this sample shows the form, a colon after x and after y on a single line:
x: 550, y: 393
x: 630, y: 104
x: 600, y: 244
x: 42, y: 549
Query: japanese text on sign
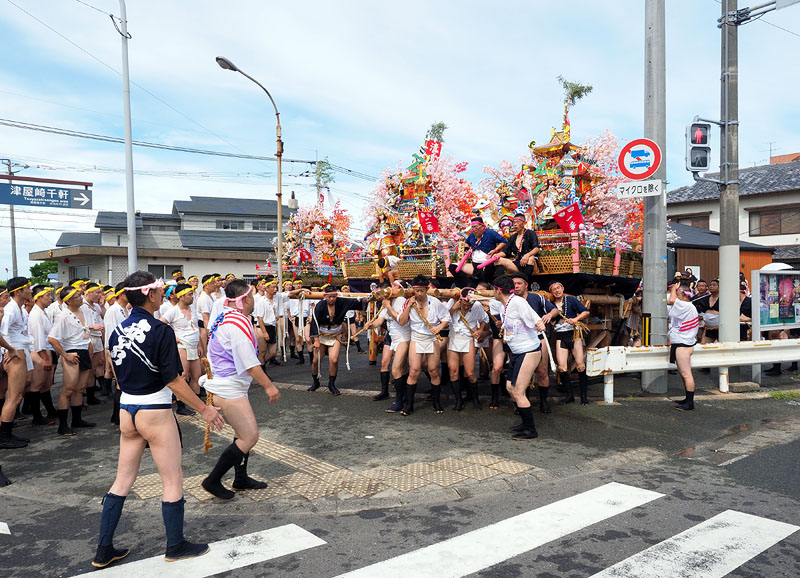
x: 637, y: 189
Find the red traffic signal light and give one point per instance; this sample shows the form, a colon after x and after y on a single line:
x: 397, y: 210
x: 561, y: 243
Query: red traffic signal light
x: 699, y: 133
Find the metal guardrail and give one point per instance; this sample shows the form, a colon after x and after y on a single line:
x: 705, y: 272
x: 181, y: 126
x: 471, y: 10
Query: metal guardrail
x: 607, y: 361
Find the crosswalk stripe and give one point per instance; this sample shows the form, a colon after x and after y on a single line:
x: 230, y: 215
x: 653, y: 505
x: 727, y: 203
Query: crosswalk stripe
x: 4, y: 528
x: 225, y: 555
x: 490, y: 545
x: 711, y: 549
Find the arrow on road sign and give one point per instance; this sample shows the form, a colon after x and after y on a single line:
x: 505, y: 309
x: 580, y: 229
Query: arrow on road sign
x: 82, y: 198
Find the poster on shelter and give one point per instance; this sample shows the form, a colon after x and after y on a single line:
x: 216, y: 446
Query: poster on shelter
x: 785, y: 293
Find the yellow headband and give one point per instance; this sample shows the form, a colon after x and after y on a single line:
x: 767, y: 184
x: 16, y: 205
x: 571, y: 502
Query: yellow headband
x: 111, y: 296
x: 70, y: 295
x: 268, y: 283
x: 120, y: 292
x: 209, y: 280
x: 42, y: 293
x: 326, y: 285
x: 285, y: 283
x: 93, y: 289
x: 179, y: 273
x: 194, y: 277
x: 28, y: 284
x: 109, y: 290
x: 78, y: 282
x: 184, y: 292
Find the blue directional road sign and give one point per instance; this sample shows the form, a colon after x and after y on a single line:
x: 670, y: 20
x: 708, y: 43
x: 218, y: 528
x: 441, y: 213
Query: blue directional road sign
x: 49, y: 196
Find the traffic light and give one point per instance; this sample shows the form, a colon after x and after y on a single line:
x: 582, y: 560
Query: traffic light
x: 698, y: 153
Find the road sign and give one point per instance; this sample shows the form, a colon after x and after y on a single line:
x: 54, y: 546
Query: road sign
x: 639, y: 159
x: 638, y: 189
x: 48, y: 196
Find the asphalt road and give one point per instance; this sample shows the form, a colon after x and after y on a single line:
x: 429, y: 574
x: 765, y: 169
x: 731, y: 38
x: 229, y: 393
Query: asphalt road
x: 331, y: 462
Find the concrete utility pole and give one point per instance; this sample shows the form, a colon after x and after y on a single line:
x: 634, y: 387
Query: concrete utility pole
x: 655, y: 208
x: 11, y: 224
x: 729, y: 175
x: 133, y: 261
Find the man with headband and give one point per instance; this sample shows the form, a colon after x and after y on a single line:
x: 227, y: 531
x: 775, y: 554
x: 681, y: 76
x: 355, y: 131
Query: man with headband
x: 327, y: 332
x: 183, y: 320
x: 520, y: 253
x: 205, y: 302
x: 484, y: 244
x: 148, y: 369
x: 116, y: 314
x: 683, y: 324
x: 234, y: 366
x: 14, y: 328
x: 521, y: 328
x: 428, y: 317
x: 570, y: 312
x: 467, y: 322
x: 43, y: 356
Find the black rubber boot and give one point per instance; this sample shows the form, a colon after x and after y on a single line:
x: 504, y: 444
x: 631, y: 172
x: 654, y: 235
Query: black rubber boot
x: 473, y: 389
x: 63, y: 428
x: 301, y: 357
x: 77, y: 420
x: 91, y: 396
x: 177, y: 546
x: 400, y: 395
x: 36, y: 410
x: 528, y: 431
x: 583, y: 385
x: 494, y: 403
x: 105, y: 387
x: 357, y: 343
x: 47, y: 402
x: 106, y: 553
x: 408, y: 408
x: 774, y: 370
x: 316, y: 384
x: 332, y: 385
x: 384, y: 394
x: 436, y: 390
x: 242, y: 481
x: 544, y: 407
x: 230, y: 457
x: 8, y: 440
x: 687, y: 405
x: 293, y: 352
x: 569, y: 397
x: 455, y: 387
x: 185, y: 550
x: 4, y: 481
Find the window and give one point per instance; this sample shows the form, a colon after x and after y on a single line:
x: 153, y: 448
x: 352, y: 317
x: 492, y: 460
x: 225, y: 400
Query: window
x: 784, y: 221
x: 163, y: 271
x: 698, y: 221
x: 82, y: 272
x: 230, y: 225
x: 264, y: 226
x: 161, y: 227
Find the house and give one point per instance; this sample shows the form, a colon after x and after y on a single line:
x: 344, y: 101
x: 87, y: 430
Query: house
x: 698, y: 249
x: 202, y: 235
x: 769, y: 206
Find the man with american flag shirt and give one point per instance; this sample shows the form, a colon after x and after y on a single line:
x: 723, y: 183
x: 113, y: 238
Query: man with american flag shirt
x: 234, y: 364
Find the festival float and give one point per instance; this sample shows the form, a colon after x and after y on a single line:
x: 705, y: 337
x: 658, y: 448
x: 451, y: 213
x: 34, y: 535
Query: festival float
x: 313, y: 243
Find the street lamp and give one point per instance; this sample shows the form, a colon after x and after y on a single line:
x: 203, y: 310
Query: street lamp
x: 228, y: 65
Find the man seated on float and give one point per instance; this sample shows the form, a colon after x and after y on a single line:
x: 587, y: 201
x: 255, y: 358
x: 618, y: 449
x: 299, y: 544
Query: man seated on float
x: 327, y: 327
x: 467, y: 323
x: 428, y: 317
x: 388, y: 268
x: 520, y: 253
x: 484, y: 244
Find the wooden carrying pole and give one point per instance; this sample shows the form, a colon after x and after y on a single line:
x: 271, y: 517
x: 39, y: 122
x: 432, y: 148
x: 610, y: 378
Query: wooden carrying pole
x: 207, y: 445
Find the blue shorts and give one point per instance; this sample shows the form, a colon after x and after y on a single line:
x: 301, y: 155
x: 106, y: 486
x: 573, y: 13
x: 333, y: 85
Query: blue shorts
x: 132, y: 408
x: 515, y: 364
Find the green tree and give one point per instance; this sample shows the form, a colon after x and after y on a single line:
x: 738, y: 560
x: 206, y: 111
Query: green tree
x: 324, y: 172
x: 573, y: 91
x: 436, y: 132
x: 39, y: 272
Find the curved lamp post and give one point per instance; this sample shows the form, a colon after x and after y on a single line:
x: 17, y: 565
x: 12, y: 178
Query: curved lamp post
x: 228, y: 65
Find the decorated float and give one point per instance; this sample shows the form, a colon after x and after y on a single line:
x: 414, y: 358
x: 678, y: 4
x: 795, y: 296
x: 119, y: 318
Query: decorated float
x: 314, y: 242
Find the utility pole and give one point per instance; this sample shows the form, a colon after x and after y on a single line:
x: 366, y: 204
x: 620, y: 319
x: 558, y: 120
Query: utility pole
x: 133, y: 260
x: 11, y: 224
x: 729, y: 188
x: 655, y: 208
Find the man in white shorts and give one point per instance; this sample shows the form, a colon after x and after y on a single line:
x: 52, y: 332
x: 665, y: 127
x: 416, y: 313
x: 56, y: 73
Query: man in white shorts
x: 467, y: 322
x: 427, y: 316
x: 14, y: 328
x: 234, y: 366
x: 400, y: 337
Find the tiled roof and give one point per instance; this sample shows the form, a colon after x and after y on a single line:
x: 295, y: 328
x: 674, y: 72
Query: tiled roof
x: 695, y: 238
x: 786, y: 253
x: 115, y: 220
x: 220, y: 240
x: 752, y: 181
x: 230, y: 206
x: 73, y: 239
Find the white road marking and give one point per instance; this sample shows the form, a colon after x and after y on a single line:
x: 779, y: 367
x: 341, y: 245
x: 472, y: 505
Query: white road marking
x: 733, y: 460
x: 225, y: 555
x: 485, y: 547
x: 711, y: 549
x: 4, y: 528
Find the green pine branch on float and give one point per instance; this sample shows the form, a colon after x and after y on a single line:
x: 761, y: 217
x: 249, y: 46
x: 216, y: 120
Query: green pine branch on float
x: 573, y: 91
x: 436, y: 132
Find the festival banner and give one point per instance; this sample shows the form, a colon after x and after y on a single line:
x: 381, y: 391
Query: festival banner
x: 569, y: 219
x: 428, y: 222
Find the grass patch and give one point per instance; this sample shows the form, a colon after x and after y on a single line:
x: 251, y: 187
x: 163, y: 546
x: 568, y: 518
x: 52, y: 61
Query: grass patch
x: 784, y: 394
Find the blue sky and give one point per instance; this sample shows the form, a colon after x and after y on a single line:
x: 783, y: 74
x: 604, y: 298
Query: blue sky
x: 358, y: 82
